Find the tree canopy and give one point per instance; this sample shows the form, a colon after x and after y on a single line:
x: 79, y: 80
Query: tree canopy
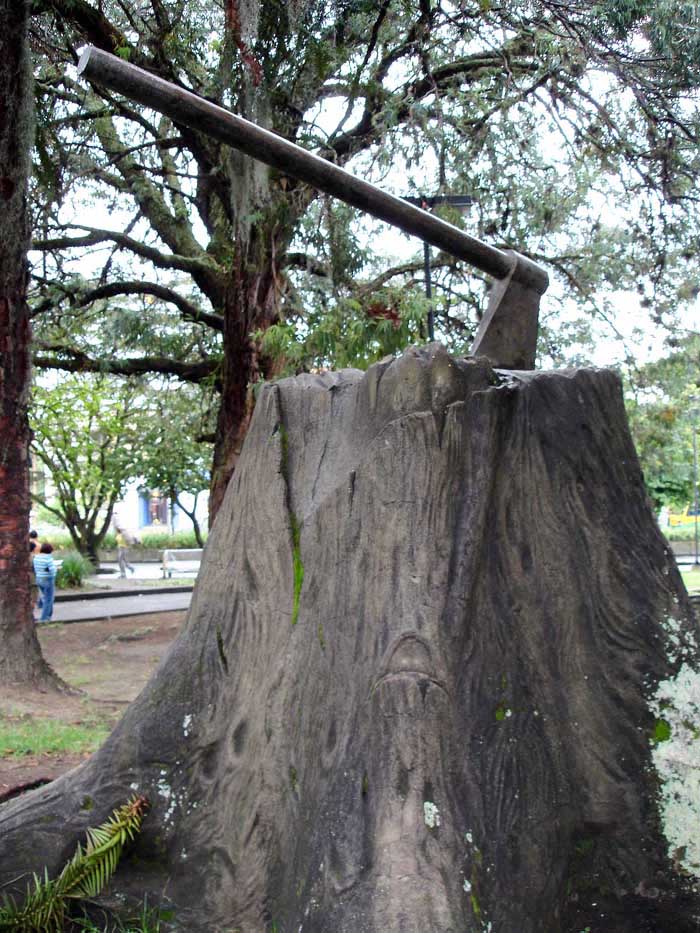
x: 662, y: 397
x: 175, y: 455
x: 87, y: 433
x: 573, y: 127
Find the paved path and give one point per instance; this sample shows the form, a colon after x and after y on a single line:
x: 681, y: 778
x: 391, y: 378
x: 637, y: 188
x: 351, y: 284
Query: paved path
x: 82, y: 610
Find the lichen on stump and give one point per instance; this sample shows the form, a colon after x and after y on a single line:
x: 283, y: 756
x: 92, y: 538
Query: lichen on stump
x: 461, y: 730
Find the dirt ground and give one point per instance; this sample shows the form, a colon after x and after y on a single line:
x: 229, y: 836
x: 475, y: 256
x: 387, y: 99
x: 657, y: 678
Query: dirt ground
x: 107, y: 661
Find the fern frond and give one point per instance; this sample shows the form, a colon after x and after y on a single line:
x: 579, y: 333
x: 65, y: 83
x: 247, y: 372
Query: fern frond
x: 87, y: 873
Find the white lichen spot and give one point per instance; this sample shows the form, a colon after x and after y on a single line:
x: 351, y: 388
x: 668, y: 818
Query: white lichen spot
x: 133, y: 786
x: 468, y: 838
x: 679, y: 638
x: 183, y: 855
x: 431, y: 815
x: 467, y: 886
x: 186, y: 723
x: 676, y: 757
x: 165, y: 791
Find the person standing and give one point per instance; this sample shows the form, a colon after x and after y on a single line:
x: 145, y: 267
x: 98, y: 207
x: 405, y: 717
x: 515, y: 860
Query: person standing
x: 34, y: 544
x: 45, y: 573
x: 34, y: 550
x: 123, y: 554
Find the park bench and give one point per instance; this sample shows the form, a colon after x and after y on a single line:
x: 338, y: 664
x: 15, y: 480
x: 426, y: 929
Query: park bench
x: 182, y: 560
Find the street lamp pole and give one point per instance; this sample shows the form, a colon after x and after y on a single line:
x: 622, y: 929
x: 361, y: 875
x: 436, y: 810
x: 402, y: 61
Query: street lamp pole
x: 695, y: 485
x: 458, y: 200
x: 694, y: 413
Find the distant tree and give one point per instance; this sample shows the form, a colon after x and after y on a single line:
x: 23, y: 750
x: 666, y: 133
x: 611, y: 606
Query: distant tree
x: 20, y: 655
x: 87, y: 433
x: 176, y: 454
x: 659, y: 399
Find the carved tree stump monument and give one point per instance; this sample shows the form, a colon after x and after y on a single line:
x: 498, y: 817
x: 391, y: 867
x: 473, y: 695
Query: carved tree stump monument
x: 439, y: 674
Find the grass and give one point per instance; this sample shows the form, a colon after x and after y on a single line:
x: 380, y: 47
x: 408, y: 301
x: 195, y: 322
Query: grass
x: 29, y: 736
x: 148, y: 922
x: 691, y: 578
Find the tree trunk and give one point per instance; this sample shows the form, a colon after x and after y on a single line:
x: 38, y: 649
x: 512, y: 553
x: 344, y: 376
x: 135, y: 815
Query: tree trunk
x: 252, y: 304
x: 439, y: 674
x: 190, y: 513
x: 20, y: 654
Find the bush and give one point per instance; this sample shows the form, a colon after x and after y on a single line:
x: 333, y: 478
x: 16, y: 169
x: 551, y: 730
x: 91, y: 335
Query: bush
x: 61, y: 540
x: 158, y: 540
x: 680, y: 532
x: 73, y: 571
x: 161, y: 539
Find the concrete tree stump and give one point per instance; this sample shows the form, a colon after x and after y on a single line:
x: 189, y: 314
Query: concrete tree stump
x: 438, y: 675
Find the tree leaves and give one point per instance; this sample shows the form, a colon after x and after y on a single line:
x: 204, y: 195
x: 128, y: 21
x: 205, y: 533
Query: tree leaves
x: 46, y: 903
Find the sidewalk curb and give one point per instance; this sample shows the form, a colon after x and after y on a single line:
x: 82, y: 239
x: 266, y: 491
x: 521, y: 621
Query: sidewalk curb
x: 116, y: 594
x: 107, y: 618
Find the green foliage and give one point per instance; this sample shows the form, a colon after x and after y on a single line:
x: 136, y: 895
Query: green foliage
x: 87, y: 435
x: 661, y: 731
x: 659, y: 406
x: 45, y: 906
x: 46, y: 517
x: 150, y: 540
x: 691, y: 579
x: 680, y: 532
x: 174, y: 459
x: 62, y: 541
x: 148, y: 921
x: 73, y: 571
x: 29, y: 736
x: 573, y: 127
x: 297, y: 565
x: 348, y: 332
x: 160, y: 540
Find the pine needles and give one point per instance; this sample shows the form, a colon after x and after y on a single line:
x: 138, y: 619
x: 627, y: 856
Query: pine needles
x: 87, y: 873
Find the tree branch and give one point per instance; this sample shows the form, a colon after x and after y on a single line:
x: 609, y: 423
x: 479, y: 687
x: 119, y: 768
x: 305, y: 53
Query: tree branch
x: 173, y: 229
x: 203, y: 269
x: 307, y: 263
x: 76, y: 362
x: 94, y: 26
x: 443, y: 261
x: 190, y: 311
x: 465, y: 70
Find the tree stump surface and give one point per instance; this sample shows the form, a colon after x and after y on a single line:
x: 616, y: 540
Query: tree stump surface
x: 427, y: 681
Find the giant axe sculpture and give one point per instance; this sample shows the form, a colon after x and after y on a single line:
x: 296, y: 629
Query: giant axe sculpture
x: 507, y: 334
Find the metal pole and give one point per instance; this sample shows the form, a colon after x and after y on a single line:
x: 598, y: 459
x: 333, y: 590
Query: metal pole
x: 458, y: 200
x: 429, y: 292
x: 184, y: 107
x: 695, y: 484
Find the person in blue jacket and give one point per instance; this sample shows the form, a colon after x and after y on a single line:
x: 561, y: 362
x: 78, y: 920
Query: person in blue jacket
x: 45, y: 573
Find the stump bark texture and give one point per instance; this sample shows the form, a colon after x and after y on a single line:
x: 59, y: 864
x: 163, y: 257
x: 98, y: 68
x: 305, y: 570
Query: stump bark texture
x: 415, y: 690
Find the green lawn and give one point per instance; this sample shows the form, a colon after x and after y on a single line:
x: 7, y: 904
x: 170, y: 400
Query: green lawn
x: 691, y: 578
x: 29, y: 736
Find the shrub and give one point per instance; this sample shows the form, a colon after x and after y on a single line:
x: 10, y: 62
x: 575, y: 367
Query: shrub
x: 161, y: 539
x: 680, y: 532
x: 73, y: 571
x: 61, y: 540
